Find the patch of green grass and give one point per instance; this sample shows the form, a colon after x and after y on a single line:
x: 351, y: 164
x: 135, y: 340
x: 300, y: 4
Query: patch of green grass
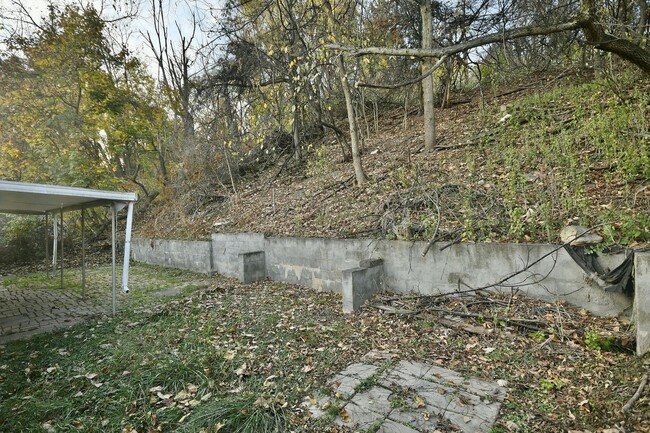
x: 595, y: 341
x: 247, y: 413
x: 333, y: 410
x: 552, y: 384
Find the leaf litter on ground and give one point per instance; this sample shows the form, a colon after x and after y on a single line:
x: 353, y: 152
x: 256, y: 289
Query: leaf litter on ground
x: 266, y: 347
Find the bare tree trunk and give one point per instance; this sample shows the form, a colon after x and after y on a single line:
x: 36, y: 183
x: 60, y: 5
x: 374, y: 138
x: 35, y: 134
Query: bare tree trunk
x: 296, y: 127
x: 352, y: 120
x: 363, y: 113
x: 427, y: 82
x: 375, y: 112
x: 233, y: 131
x: 161, y: 159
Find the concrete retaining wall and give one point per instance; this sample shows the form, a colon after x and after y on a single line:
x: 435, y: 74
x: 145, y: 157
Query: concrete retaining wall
x: 312, y: 262
x: 642, y: 302
x: 318, y: 263
x: 189, y: 255
x: 226, y: 248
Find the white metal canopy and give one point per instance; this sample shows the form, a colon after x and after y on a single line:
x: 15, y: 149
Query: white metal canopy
x: 39, y: 199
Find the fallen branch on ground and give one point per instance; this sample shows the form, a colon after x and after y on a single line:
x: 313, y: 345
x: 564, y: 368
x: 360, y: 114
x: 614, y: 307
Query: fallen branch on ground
x: 637, y: 394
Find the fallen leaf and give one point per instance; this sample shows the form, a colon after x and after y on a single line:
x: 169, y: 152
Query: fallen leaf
x: 163, y: 396
x: 182, y: 395
x: 242, y: 370
x: 512, y: 426
x: 269, y: 381
x: 261, y: 402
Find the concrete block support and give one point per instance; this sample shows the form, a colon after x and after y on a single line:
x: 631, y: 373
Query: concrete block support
x: 252, y: 267
x: 360, y: 283
x: 642, y: 302
x: 226, y: 248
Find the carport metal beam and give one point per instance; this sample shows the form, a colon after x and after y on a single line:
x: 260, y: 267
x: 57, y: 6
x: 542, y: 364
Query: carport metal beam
x: 39, y: 199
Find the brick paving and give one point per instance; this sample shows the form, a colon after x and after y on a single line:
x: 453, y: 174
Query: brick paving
x: 27, y: 311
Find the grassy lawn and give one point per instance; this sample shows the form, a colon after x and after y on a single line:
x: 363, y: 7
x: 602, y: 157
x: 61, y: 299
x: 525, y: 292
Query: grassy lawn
x: 144, y: 282
x: 228, y: 358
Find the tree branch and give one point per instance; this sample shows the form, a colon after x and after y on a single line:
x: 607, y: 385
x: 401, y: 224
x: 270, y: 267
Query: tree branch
x: 428, y: 72
x: 519, y: 32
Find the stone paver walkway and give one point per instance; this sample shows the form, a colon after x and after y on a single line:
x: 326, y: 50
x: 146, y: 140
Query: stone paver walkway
x: 25, y: 312
x: 410, y: 397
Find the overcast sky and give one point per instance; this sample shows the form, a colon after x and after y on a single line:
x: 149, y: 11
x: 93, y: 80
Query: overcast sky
x: 177, y: 12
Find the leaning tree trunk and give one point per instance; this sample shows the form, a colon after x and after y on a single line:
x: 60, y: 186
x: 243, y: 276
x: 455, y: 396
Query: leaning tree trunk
x: 597, y: 35
x: 352, y: 120
x: 427, y: 82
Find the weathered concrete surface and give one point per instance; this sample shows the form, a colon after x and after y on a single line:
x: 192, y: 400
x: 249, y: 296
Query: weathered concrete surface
x: 226, y: 248
x: 642, y: 302
x: 252, y: 267
x: 190, y: 255
x: 27, y: 311
x: 318, y: 263
x: 359, y: 284
x: 410, y: 397
x: 312, y: 262
x: 555, y: 277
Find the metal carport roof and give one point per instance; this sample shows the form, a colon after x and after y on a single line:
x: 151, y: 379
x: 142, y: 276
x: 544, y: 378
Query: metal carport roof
x: 39, y: 199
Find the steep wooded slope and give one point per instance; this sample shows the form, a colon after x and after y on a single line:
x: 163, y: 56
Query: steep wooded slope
x: 514, y: 163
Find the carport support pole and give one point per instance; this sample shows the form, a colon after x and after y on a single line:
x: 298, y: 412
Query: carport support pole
x: 83, y: 253
x: 113, y: 224
x: 61, y: 230
x: 47, y: 245
x: 127, y: 248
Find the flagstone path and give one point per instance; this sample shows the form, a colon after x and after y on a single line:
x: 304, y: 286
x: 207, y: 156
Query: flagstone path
x: 381, y: 396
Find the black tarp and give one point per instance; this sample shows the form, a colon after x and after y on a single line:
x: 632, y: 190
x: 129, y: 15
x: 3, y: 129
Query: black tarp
x: 620, y: 279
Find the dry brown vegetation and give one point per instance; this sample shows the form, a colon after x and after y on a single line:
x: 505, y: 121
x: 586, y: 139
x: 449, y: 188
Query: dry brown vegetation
x: 492, y: 179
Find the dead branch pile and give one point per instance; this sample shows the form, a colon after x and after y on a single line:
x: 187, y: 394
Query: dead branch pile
x: 484, y: 312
